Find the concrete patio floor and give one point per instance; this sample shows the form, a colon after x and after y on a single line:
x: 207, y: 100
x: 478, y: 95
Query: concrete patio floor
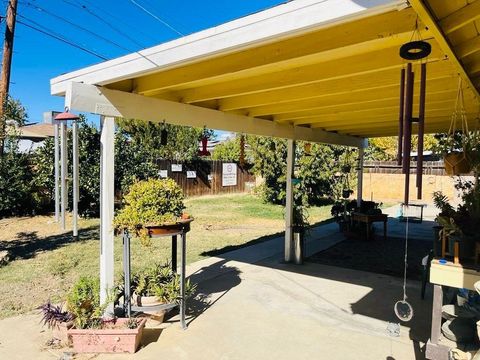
x: 251, y: 306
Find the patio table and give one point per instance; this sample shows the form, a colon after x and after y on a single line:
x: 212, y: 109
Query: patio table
x: 370, y: 219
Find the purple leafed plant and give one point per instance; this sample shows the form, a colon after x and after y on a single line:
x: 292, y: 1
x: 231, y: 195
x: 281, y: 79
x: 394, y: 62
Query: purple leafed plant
x: 53, y: 315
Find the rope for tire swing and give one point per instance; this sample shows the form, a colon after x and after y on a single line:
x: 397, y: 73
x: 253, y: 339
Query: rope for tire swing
x: 402, y: 308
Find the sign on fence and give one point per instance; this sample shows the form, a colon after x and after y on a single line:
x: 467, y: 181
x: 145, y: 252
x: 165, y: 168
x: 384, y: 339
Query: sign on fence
x: 191, y: 174
x: 229, y: 174
x: 163, y: 174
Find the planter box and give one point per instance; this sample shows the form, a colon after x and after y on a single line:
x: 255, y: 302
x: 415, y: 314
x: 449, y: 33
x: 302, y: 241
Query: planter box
x: 60, y: 332
x: 116, y: 340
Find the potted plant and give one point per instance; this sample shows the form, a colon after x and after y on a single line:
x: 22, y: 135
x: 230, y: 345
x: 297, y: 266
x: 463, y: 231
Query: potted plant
x: 58, y: 320
x: 153, y: 207
x: 157, y: 285
x: 92, y: 331
x: 461, y: 225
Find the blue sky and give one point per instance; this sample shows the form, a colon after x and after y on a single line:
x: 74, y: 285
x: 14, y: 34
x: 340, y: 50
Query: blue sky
x: 38, y: 58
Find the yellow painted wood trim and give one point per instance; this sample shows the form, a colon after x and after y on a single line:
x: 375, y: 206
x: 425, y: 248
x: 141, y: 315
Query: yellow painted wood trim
x: 460, y: 18
x: 429, y: 20
x: 454, y: 276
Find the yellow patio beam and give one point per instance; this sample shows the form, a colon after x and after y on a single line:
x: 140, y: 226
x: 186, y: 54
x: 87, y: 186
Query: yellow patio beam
x: 370, y: 63
x: 347, y: 38
x: 468, y: 47
x: 351, y: 85
x: 434, y: 118
x: 429, y: 20
x: 365, y: 106
x: 360, y: 97
x: 459, y: 18
x: 337, y: 121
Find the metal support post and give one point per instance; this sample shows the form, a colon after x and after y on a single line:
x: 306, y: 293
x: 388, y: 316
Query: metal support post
x: 361, y: 156
x: 289, y: 202
x: 75, y: 179
x: 174, y: 253
x: 127, y: 301
x: 107, y: 186
x: 63, y: 173
x: 182, y: 281
x: 57, y: 170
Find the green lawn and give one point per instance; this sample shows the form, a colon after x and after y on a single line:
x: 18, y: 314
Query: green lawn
x: 48, y: 262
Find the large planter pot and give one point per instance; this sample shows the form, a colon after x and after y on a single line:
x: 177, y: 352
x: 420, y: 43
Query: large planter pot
x: 346, y: 193
x: 60, y: 332
x: 169, y: 229
x: 146, y: 301
x: 457, y: 164
x: 118, y: 339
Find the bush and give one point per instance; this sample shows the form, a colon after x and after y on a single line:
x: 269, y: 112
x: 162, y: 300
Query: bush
x: 83, y: 301
x: 16, y: 179
x: 149, y: 203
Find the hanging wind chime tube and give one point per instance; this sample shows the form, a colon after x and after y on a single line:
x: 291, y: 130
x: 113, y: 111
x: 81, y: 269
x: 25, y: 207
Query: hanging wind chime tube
x: 400, y: 117
x: 407, y: 129
x: 421, y: 128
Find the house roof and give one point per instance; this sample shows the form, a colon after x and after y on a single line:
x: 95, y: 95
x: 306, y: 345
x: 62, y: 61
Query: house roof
x: 331, y: 66
x: 37, y: 131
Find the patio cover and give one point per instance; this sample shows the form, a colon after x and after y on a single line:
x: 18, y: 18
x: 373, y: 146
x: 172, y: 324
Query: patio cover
x: 316, y: 70
x: 307, y: 69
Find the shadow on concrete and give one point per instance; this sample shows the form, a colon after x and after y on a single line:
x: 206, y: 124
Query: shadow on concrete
x: 261, y: 239
x: 28, y: 244
x: 213, y: 282
x: 378, y: 303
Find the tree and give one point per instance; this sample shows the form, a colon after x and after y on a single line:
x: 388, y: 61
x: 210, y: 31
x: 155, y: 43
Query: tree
x: 385, y: 148
x: 182, y: 141
x: 16, y: 175
x: 228, y: 150
x: 315, y: 170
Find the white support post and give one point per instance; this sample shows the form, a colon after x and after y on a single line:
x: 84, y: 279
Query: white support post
x: 289, y: 202
x: 75, y: 179
x: 63, y: 173
x: 361, y: 155
x: 57, y: 171
x: 107, y: 185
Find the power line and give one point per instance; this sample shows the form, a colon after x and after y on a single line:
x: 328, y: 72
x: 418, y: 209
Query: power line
x: 119, y: 20
x: 85, y: 8
x: 156, y: 17
x: 59, y: 38
x: 38, y: 8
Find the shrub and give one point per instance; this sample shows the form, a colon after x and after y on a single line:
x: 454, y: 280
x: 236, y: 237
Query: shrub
x: 148, y: 203
x: 83, y: 301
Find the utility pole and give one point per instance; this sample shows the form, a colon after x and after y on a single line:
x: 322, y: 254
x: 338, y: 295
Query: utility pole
x: 6, y: 65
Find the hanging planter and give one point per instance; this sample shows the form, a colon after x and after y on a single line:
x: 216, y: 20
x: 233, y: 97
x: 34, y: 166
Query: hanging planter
x: 457, y: 163
x: 456, y: 159
x: 204, y: 140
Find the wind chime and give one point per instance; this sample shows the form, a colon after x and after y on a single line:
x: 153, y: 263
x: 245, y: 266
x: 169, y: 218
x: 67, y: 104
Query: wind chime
x: 412, y: 51
x: 204, y: 140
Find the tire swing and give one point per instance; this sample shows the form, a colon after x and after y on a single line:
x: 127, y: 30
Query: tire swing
x: 456, y: 162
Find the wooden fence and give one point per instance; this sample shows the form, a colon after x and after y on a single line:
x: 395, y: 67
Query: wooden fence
x: 205, y: 177
x: 391, y: 167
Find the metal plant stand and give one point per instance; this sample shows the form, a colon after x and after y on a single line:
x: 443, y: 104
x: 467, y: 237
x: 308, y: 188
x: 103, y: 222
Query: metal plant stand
x: 180, y: 231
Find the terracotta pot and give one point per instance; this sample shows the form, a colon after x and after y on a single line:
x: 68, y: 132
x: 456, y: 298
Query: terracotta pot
x: 456, y: 164
x: 146, y: 301
x: 116, y: 340
x: 60, y: 332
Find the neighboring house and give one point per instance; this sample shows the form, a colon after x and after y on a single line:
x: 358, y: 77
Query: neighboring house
x: 33, y: 135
